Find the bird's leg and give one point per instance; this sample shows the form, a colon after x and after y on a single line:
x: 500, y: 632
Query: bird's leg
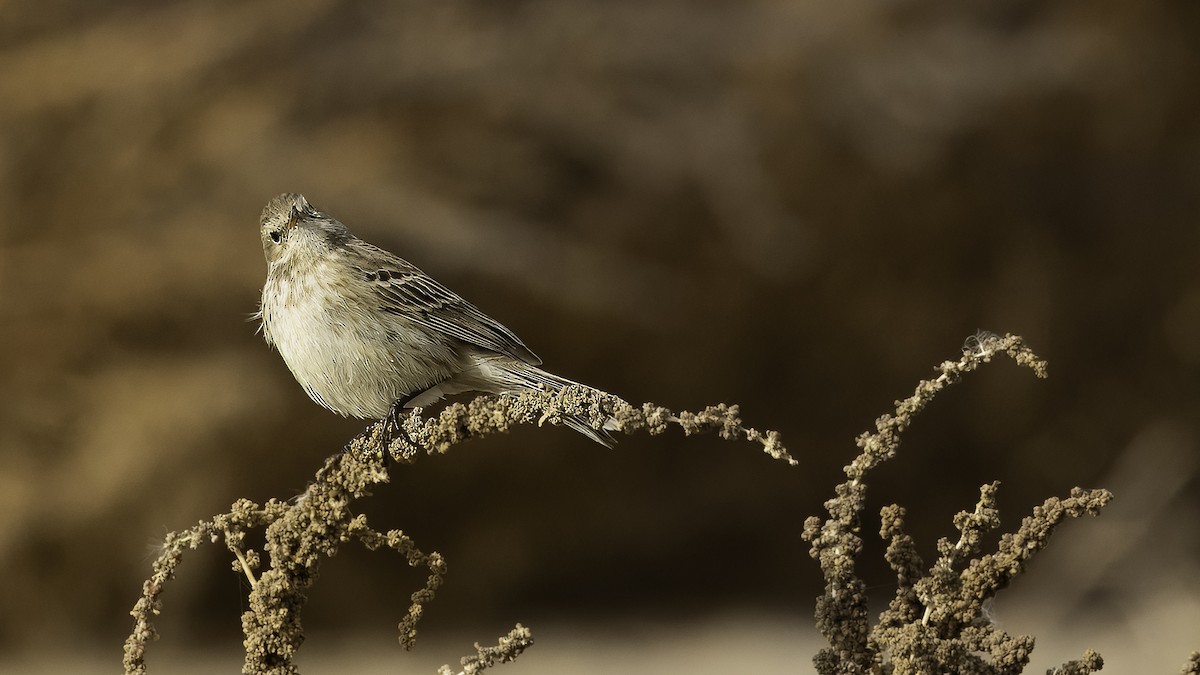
x: 394, y: 421
x: 393, y: 428
x: 390, y: 428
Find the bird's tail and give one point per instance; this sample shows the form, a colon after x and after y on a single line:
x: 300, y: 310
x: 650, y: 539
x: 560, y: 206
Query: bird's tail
x: 516, y: 376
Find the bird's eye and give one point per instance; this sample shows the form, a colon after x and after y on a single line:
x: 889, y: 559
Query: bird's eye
x: 276, y: 235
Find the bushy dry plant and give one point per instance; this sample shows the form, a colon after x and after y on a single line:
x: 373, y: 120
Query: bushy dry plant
x: 302, y: 532
x: 937, y: 622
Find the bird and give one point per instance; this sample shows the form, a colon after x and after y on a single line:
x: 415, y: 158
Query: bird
x: 367, y: 333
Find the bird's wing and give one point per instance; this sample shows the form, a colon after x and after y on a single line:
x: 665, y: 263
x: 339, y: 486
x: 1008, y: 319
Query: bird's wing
x: 406, y: 291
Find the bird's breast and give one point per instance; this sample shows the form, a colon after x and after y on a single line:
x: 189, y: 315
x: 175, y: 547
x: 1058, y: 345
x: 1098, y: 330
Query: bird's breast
x: 348, y: 354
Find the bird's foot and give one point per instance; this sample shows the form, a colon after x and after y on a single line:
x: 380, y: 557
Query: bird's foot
x: 400, y: 443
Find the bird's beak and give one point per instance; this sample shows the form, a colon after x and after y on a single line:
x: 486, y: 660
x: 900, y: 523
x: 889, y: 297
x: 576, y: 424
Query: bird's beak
x: 297, y: 210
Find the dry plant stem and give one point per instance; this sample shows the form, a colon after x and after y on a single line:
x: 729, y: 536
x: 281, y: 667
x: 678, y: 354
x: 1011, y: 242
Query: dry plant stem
x: 302, y: 532
x: 1090, y: 663
x: 973, y: 526
x: 937, y: 621
x: 956, y: 598
x: 507, y: 649
x: 312, y: 529
x: 230, y: 526
x: 487, y: 415
x: 1192, y: 667
x: 881, y: 446
x: 959, y: 585
x: 246, y: 567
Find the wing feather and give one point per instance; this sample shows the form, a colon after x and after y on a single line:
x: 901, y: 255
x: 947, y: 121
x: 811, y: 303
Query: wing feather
x: 405, y: 290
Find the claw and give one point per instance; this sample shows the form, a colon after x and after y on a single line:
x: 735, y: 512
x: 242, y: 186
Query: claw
x: 401, y: 445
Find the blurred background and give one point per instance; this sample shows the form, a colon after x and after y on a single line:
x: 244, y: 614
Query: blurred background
x: 799, y: 207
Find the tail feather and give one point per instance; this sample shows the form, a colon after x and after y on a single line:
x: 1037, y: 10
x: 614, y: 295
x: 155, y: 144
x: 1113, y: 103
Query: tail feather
x: 504, y: 375
x: 520, y: 375
x: 580, y: 424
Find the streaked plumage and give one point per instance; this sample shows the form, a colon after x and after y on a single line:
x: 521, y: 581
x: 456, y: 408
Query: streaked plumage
x: 361, y: 328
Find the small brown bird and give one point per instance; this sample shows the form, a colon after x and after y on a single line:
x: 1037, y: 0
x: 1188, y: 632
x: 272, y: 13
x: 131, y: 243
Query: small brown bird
x: 365, y: 331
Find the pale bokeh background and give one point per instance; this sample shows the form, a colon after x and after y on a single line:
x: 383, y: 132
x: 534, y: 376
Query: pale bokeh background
x: 796, y: 206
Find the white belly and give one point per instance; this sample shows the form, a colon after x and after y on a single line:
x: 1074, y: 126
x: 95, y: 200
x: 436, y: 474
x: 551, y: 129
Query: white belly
x: 350, y: 356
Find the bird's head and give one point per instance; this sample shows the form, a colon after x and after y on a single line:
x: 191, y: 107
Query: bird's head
x: 290, y: 227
